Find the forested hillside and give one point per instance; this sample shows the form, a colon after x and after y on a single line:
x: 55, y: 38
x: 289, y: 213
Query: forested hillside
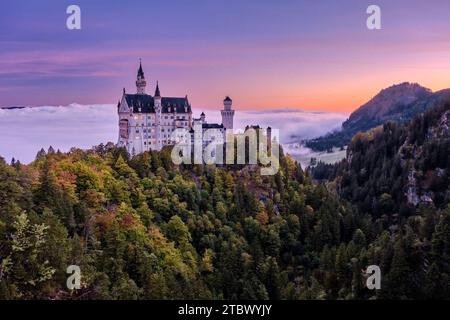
x: 400, y: 175
x: 142, y: 228
x: 394, y: 168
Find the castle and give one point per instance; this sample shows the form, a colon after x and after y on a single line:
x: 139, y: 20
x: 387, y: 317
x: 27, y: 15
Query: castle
x: 147, y: 122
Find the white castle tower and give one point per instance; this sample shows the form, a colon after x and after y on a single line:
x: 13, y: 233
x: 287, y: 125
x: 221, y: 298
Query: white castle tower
x: 227, y: 113
x: 147, y: 122
x: 140, y: 81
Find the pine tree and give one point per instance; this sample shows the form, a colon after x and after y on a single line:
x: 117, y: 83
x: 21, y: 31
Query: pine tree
x: 342, y: 265
x: 399, y: 275
x: 27, y: 267
x: 440, y: 250
x: 41, y: 154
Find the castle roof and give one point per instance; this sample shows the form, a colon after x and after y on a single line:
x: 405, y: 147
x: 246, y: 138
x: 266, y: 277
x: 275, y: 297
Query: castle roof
x: 227, y: 98
x: 209, y: 126
x: 147, y: 104
x: 157, y: 93
x: 212, y: 126
x: 140, y: 71
x: 254, y: 127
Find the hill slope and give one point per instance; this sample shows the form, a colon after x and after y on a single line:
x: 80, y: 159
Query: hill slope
x: 398, y: 103
x: 143, y: 228
x: 407, y: 163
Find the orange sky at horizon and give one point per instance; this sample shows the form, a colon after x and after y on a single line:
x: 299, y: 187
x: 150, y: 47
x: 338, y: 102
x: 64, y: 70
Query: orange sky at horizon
x: 343, y: 97
x: 308, y: 55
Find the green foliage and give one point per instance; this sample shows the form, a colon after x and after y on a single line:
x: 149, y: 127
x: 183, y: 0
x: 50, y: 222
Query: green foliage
x: 143, y: 228
x: 26, y: 267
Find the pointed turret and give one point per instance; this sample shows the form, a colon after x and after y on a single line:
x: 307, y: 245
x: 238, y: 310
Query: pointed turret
x: 157, y: 98
x: 140, y: 71
x: 157, y: 92
x: 140, y: 81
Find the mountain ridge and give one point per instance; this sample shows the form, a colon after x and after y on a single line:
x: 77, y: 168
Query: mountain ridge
x: 398, y: 103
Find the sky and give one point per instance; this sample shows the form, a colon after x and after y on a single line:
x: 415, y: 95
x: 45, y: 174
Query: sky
x: 84, y: 126
x: 265, y: 54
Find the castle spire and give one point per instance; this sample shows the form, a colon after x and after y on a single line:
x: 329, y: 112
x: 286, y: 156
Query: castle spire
x: 140, y: 81
x: 140, y: 71
x: 157, y: 93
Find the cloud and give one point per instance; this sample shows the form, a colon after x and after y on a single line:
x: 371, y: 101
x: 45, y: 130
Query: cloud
x: 25, y: 131
x: 294, y: 125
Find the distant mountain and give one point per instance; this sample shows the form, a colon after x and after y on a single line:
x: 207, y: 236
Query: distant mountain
x: 397, y: 103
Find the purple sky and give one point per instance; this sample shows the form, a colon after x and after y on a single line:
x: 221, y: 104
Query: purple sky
x: 264, y: 53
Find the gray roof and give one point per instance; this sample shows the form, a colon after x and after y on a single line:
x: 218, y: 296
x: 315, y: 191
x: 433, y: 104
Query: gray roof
x: 157, y: 92
x: 140, y: 71
x: 209, y: 126
x: 147, y: 103
x: 212, y: 126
